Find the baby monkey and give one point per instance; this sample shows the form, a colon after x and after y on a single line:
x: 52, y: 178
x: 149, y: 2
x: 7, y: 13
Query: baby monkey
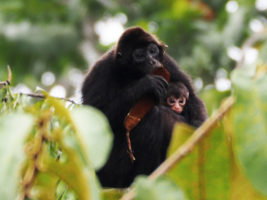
x: 174, y: 108
x: 177, y: 97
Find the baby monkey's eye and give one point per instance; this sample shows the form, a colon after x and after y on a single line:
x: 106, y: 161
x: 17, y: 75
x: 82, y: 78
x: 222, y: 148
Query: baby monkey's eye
x: 171, y: 100
x: 182, y: 101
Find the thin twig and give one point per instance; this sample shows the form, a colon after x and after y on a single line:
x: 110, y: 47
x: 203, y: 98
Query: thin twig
x: 9, y: 74
x: 187, y: 147
x: 8, y: 81
x: 41, y: 96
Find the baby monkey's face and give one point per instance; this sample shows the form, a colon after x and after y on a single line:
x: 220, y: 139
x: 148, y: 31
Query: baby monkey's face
x: 176, y: 103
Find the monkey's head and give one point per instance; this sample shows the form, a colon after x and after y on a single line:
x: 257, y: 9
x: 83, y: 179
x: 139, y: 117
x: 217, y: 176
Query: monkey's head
x: 139, y: 51
x: 177, y: 96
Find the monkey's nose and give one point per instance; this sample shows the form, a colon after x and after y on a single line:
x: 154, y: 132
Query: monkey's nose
x: 152, y: 62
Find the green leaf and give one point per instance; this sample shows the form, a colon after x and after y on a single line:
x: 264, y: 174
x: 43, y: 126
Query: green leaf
x: 181, y: 133
x: 78, y: 178
x: 250, y: 117
x: 13, y: 131
x: 205, y: 167
x: 45, y: 187
x: 241, y: 187
x: 112, y: 194
x: 160, y: 189
x: 94, y: 134
x: 215, y: 171
x: 213, y: 99
x: 184, y: 173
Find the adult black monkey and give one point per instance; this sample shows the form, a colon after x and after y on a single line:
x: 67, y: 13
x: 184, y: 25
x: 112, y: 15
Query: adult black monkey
x: 115, y: 83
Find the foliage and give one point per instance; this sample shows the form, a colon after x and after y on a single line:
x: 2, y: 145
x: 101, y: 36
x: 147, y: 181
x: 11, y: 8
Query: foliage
x: 50, y: 148
x: 49, y: 151
x: 147, y: 189
x: 250, y: 140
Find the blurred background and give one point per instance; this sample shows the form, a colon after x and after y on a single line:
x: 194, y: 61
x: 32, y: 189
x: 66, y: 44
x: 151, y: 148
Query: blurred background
x: 51, y: 43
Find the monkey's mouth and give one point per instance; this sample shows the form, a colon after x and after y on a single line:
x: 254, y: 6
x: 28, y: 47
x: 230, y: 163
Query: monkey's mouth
x: 158, y: 65
x: 148, y: 67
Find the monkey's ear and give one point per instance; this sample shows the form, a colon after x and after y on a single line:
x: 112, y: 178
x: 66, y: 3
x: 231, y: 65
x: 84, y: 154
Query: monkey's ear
x: 119, y: 54
x: 187, y: 95
x: 163, y: 47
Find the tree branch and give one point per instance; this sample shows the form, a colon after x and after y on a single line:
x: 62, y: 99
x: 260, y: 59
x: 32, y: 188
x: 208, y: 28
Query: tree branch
x: 8, y: 81
x: 41, y: 96
x: 187, y: 147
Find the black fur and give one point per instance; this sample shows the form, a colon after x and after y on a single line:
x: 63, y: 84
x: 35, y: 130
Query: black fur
x: 176, y: 89
x: 114, y: 85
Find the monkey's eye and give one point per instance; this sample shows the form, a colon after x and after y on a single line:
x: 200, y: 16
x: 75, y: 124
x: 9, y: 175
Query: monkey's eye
x: 171, y: 100
x: 182, y: 101
x: 139, y: 55
x: 153, y: 49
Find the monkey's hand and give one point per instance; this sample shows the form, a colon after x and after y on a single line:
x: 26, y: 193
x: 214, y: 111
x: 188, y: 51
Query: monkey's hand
x: 152, y: 85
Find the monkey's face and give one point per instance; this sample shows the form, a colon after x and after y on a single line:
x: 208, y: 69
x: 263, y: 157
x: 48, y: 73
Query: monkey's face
x: 138, y: 52
x: 177, y: 97
x: 146, y: 59
x: 176, y: 103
